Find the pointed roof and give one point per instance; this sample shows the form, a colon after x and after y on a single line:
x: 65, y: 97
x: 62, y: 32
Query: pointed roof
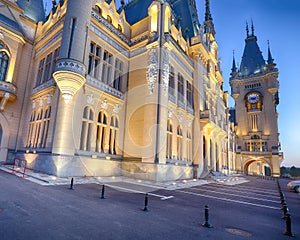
x: 252, y: 60
x: 270, y: 59
x: 208, y: 23
x: 33, y: 9
x: 233, y: 69
x: 185, y: 10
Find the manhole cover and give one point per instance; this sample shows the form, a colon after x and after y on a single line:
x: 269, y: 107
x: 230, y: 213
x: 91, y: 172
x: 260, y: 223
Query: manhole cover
x: 238, y: 232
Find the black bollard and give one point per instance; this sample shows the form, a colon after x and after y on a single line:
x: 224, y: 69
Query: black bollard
x: 285, y: 210
x: 146, y: 203
x: 288, y: 225
x: 102, y: 191
x: 206, y: 215
x: 71, y: 185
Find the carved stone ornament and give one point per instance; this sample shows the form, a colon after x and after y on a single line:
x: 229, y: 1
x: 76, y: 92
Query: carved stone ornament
x: 116, y: 109
x: 170, y: 113
x: 33, y: 104
x: 152, y: 70
x: 180, y: 118
x: 49, y: 98
x: 165, y: 71
x: 90, y: 99
x: 104, y: 104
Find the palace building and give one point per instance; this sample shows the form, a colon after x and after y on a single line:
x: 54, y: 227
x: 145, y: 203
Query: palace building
x: 96, y: 90
x: 93, y: 89
x: 254, y: 87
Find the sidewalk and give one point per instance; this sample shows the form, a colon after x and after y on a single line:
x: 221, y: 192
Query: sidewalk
x: 48, y: 180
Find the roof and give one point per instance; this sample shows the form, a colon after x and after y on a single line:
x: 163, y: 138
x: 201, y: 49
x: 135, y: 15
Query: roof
x: 185, y: 10
x: 136, y: 10
x: 10, y: 22
x: 252, y: 60
x: 33, y: 9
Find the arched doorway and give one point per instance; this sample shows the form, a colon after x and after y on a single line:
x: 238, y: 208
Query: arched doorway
x: 258, y: 167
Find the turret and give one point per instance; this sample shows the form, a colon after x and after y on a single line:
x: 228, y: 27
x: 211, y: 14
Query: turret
x: 70, y: 68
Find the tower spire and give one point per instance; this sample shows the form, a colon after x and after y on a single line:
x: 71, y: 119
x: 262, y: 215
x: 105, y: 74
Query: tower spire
x: 208, y: 23
x: 270, y: 60
x: 233, y: 69
x: 247, y: 29
x: 252, y: 28
x: 207, y: 11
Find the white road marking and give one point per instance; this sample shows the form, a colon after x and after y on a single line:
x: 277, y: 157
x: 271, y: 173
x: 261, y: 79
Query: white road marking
x: 242, y: 191
x: 241, y: 196
x: 229, y: 200
x: 273, y: 192
x: 162, y: 197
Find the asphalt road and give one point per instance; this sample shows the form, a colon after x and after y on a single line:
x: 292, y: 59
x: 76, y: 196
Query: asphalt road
x: 246, y: 211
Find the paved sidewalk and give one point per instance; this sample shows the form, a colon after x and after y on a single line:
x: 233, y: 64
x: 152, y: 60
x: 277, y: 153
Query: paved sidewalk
x: 46, y: 179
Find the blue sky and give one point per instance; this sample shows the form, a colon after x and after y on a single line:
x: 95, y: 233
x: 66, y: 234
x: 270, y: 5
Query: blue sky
x: 277, y: 21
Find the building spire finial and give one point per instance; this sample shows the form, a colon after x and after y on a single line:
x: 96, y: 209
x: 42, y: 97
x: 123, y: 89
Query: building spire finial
x: 208, y: 23
x: 247, y: 29
x: 270, y: 59
x: 233, y: 69
x: 207, y: 11
x: 252, y: 27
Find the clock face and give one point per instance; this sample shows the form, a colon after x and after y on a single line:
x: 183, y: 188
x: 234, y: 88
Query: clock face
x: 253, y: 98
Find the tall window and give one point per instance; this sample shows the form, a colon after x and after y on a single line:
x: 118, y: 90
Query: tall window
x: 253, y: 122
x: 118, y: 77
x: 94, y: 60
x: 107, y: 67
x: 113, y: 134
x: 86, y: 129
x: 3, y: 65
x: 189, y: 94
x: 101, y: 128
x: 180, y: 88
x: 38, y: 128
x: 171, y: 81
x: 189, y: 146
x: 47, y: 67
x: 169, y: 139
x: 179, y: 142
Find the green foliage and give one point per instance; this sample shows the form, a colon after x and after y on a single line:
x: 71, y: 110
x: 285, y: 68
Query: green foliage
x: 293, y: 171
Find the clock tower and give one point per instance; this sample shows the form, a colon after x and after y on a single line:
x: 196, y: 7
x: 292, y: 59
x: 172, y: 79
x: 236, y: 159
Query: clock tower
x: 254, y: 87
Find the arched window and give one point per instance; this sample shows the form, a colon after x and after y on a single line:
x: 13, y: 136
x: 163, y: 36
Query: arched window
x: 169, y: 139
x: 4, y: 59
x: 179, y: 142
x: 113, y: 134
x: 101, y: 129
x: 86, y: 129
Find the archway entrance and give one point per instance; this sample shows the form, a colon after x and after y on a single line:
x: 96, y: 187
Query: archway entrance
x: 257, y: 167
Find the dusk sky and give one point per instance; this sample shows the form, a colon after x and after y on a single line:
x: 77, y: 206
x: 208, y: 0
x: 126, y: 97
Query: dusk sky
x: 277, y: 21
